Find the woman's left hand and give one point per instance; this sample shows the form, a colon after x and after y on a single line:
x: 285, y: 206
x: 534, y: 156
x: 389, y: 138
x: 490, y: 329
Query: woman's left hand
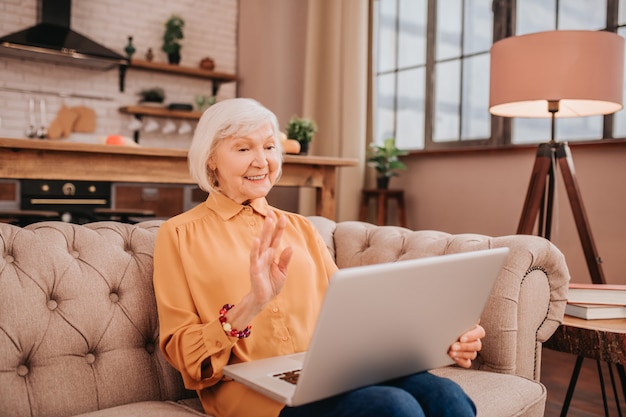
x: 465, y: 350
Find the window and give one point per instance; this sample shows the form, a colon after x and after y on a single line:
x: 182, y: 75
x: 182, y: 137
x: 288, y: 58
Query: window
x: 461, y: 70
x: 431, y: 69
x: 399, y: 51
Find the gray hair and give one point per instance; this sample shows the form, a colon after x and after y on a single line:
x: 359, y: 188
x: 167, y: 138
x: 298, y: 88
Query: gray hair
x: 228, y: 118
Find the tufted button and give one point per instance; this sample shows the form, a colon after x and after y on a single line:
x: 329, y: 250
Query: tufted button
x: 9, y: 259
x: 150, y: 347
x: 114, y: 297
x: 90, y: 358
x: 22, y: 370
x: 52, y: 304
x: 75, y: 254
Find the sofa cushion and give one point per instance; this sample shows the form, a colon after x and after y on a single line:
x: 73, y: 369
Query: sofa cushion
x: 498, y: 395
x: 151, y: 409
x: 78, y: 320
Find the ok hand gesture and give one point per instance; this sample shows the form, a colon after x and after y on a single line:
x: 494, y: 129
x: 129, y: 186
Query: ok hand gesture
x: 268, y: 272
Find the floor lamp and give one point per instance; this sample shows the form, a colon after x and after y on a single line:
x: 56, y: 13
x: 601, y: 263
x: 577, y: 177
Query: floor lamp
x: 557, y: 74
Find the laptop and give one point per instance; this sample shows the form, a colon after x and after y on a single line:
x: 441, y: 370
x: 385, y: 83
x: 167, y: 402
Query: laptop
x: 380, y: 322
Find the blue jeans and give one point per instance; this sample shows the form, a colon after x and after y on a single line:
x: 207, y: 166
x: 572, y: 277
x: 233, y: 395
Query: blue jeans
x: 416, y: 395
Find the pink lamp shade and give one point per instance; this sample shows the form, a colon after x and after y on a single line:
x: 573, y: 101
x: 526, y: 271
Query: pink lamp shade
x: 582, y: 70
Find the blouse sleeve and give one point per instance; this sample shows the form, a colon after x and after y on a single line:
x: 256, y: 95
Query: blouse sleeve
x: 185, y: 341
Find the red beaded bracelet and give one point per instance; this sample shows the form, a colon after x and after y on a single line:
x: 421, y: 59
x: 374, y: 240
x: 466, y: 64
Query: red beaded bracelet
x: 239, y: 334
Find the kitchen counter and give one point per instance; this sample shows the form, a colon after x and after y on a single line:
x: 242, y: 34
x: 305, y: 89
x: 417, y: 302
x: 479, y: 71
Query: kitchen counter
x: 64, y: 160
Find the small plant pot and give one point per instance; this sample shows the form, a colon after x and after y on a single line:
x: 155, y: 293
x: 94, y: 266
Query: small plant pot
x: 382, y: 183
x: 304, y: 148
x: 173, y: 58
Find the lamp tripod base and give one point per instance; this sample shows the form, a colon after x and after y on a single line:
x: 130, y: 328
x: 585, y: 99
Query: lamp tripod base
x: 539, y: 201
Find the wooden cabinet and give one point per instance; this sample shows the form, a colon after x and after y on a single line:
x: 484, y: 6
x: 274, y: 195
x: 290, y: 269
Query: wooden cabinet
x: 165, y: 201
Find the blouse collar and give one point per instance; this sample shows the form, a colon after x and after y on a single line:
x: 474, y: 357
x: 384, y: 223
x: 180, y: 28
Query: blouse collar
x: 227, y: 208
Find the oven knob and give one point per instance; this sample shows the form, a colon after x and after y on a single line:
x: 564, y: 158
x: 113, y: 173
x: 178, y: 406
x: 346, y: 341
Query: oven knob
x: 45, y: 188
x: 92, y: 188
x: 69, y: 188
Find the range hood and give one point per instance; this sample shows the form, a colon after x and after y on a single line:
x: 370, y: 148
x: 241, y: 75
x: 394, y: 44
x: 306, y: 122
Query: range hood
x: 52, y: 40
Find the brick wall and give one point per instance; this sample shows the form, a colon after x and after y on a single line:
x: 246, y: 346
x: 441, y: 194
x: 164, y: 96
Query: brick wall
x: 210, y: 30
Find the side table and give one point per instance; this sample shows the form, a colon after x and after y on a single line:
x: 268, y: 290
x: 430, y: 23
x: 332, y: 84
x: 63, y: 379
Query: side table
x: 602, y: 340
x: 382, y: 197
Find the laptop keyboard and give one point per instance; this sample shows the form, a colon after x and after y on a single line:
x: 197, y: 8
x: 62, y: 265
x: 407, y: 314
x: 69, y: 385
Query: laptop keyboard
x: 289, y: 376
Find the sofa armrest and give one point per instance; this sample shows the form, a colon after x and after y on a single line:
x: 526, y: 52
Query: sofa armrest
x: 527, y: 302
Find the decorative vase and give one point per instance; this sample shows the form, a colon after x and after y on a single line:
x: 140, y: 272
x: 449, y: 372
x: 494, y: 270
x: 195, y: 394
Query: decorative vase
x: 173, y: 58
x: 130, y: 48
x: 304, y: 148
x: 382, y: 183
x: 207, y: 64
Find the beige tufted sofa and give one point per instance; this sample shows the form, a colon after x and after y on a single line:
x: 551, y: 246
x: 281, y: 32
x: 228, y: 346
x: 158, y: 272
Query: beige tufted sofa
x: 79, y: 331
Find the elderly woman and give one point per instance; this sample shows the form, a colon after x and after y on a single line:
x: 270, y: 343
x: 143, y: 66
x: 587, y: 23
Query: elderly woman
x: 238, y: 280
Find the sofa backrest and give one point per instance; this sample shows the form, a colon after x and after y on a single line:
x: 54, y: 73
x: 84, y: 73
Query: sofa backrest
x: 355, y: 243
x: 78, y: 320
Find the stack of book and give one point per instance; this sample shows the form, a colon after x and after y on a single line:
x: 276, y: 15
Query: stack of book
x: 596, y: 301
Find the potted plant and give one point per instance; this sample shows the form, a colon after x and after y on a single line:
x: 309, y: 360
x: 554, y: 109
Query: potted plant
x: 171, y: 37
x: 302, y: 130
x: 384, y: 158
x: 151, y: 96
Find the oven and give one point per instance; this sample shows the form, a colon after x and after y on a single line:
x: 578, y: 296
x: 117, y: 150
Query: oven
x: 75, y: 201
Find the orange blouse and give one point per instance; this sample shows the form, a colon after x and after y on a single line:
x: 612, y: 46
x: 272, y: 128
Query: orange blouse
x: 201, y: 262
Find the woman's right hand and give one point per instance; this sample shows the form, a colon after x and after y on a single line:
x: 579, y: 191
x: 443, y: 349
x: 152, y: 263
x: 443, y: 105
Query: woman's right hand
x: 268, y: 272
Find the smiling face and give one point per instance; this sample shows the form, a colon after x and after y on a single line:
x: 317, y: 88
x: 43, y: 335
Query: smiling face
x: 248, y: 166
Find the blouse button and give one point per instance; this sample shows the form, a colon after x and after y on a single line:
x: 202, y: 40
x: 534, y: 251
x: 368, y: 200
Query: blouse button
x: 275, y: 310
x: 285, y: 338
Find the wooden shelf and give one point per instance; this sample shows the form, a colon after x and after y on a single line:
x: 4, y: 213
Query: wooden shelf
x: 160, y: 112
x: 217, y: 78
x: 181, y: 70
